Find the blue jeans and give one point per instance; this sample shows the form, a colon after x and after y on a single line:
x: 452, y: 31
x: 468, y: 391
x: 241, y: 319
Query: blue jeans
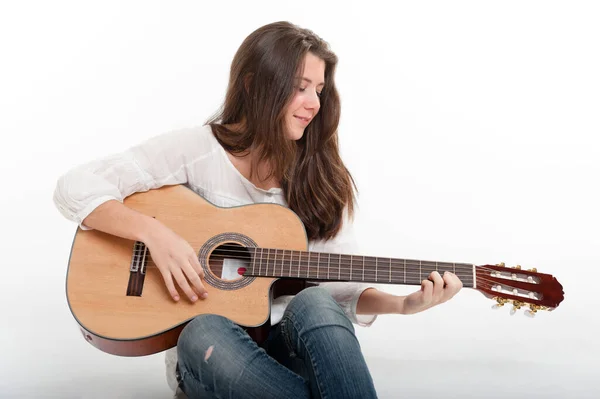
x: 311, y: 353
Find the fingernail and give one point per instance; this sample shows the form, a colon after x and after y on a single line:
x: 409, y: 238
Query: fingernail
x: 205, y: 295
x: 194, y: 298
x: 176, y: 297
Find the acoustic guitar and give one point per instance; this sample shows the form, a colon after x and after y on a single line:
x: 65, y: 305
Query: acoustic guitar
x: 250, y: 255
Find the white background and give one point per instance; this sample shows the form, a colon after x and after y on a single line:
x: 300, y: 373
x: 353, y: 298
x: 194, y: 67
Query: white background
x: 470, y: 127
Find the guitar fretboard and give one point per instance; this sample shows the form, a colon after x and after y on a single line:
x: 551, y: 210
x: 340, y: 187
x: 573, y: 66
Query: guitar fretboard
x: 269, y: 262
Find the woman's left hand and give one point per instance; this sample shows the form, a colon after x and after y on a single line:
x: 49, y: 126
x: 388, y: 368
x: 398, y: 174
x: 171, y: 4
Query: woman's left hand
x: 434, y: 291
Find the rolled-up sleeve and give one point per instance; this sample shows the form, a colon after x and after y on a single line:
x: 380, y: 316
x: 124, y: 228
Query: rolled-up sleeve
x: 161, y: 160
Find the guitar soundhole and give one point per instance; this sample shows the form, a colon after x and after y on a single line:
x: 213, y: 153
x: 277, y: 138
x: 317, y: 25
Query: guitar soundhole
x: 222, y: 257
x: 229, y: 261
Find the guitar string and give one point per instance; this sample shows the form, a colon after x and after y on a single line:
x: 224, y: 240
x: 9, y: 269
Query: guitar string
x: 345, y: 261
x: 304, y: 265
x: 481, y: 283
x: 481, y: 280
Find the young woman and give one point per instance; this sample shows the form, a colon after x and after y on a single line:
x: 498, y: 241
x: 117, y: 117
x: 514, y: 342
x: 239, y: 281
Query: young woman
x: 275, y: 140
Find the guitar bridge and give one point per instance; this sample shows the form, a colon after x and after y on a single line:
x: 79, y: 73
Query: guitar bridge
x: 137, y: 269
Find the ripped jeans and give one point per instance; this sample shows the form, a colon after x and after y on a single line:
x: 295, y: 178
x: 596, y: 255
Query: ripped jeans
x: 311, y: 353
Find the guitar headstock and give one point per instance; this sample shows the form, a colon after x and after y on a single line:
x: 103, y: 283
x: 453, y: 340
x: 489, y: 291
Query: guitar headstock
x: 520, y: 287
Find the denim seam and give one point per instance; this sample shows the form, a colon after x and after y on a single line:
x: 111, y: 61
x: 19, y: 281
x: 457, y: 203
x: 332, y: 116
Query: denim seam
x: 311, y: 359
x: 188, y: 376
x: 286, y: 337
x: 264, y: 354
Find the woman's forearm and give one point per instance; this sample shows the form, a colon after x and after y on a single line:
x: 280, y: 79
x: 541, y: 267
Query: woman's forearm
x: 114, y: 218
x: 373, y: 301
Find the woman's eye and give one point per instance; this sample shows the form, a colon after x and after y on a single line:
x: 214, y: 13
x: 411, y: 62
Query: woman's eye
x: 303, y: 89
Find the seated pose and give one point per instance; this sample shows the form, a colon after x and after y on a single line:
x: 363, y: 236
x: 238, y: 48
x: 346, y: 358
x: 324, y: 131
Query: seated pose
x: 275, y: 140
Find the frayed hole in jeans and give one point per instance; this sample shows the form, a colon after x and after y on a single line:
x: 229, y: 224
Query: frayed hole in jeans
x: 209, y: 352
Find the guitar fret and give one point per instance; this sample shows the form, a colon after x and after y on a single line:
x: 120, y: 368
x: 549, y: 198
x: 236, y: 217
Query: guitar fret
x: 307, y: 254
x: 375, y: 269
x: 318, y: 260
x: 390, y: 270
x: 339, y: 267
x: 281, y: 262
x: 404, y: 271
x: 277, y: 256
x: 328, y: 264
x: 299, y: 262
x: 363, y: 268
x: 350, y: 268
x: 307, y: 264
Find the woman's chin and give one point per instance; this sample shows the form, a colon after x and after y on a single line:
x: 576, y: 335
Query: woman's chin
x: 296, y: 134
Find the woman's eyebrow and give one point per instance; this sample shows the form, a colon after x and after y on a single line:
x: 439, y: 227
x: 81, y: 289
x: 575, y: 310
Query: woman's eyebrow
x: 310, y: 81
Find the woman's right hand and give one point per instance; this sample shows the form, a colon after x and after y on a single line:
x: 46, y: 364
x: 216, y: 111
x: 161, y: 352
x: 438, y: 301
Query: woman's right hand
x: 177, y: 262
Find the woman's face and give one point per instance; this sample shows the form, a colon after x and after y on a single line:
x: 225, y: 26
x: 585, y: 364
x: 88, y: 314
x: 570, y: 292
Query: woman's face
x: 306, y: 101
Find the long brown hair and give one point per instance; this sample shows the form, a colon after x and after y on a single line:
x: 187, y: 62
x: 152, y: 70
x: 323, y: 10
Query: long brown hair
x: 316, y: 183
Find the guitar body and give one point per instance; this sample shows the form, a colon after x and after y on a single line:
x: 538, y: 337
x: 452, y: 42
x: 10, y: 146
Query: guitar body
x: 132, y: 314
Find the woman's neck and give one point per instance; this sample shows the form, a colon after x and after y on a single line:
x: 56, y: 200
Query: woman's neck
x: 243, y: 163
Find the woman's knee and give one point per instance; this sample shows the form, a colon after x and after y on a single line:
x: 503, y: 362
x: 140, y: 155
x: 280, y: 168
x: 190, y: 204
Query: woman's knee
x: 316, y: 305
x: 200, y: 331
x: 203, y: 356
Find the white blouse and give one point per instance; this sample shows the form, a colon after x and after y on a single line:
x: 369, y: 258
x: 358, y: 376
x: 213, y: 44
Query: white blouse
x: 195, y: 158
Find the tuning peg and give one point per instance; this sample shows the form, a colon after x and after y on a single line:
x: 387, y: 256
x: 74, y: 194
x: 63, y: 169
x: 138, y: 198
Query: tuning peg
x: 518, y: 267
x: 532, y: 270
x: 533, y: 310
x: 516, y: 306
x: 501, y: 301
x: 501, y: 264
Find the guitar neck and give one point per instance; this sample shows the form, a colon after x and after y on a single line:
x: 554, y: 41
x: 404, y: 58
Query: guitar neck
x: 271, y: 262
